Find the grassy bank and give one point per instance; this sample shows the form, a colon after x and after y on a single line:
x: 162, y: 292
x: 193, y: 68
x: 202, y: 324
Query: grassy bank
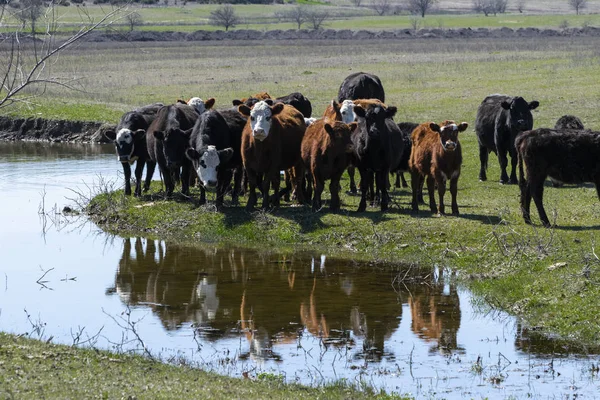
x: 30, y: 369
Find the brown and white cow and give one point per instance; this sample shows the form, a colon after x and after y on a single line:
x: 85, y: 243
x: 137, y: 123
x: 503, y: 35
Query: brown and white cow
x: 437, y: 157
x: 326, y: 151
x: 271, y: 143
x: 567, y: 155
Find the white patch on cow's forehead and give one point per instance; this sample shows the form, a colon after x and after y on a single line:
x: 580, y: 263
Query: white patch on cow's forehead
x: 347, y: 111
x: 261, y: 108
x: 211, y: 157
x: 198, y: 104
x: 125, y: 135
x: 454, y: 127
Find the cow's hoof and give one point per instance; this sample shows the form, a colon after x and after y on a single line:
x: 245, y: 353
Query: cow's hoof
x: 512, y: 182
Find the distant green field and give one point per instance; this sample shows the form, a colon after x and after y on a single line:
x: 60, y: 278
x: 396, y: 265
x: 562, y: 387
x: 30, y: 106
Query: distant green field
x: 193, y: 17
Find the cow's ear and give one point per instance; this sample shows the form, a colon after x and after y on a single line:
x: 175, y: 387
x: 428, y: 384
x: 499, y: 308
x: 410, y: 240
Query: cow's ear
x: 225, y: 155
x: 328, y: 129
x: 359, y: 111
x: 244, y: 110
x: 352, y: 126
x: 110, y: 135
x: 208, y: 104
x: 236, y: 102
x: 160, y: 135
x: 268, y: 101
x: 435, y: 127
x: 534, y: 104
x: 277, y: 108
x: 140, y: 134
x: 463, y: 126
x: 192, y: 154
x: 179, y: 101
x: 505, y: 105
x: 391, y: 111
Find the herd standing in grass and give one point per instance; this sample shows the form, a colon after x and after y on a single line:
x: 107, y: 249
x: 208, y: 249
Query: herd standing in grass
x: 260, y: 137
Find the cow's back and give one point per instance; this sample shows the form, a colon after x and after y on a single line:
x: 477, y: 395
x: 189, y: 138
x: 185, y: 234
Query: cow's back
x: 361, y: 85
x: 485, y: 121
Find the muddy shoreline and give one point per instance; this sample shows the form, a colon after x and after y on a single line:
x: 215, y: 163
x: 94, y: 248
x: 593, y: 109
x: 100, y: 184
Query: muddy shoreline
x: 44, y: 130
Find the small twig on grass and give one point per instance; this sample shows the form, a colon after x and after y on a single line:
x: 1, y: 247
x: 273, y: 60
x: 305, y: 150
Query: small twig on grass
x: 131, y: 326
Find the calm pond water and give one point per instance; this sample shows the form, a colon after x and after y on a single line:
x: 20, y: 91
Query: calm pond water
x: 307, y: 317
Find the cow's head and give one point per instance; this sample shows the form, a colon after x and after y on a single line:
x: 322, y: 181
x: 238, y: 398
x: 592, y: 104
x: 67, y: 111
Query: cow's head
x: 346, y: 109
x: 371, y: 124
x: 261, y: 116
x: 519, y: 116
x: 200, y: 105
x: 207, y: 161
x: 125, y: 141
x: 448, y: 131
x: 341, y: 135
x: 175, y: 142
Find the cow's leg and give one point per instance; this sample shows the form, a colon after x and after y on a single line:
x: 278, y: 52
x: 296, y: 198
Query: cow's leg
x: 351, y: 171
x: 168, y: 178
x: 397, y: 182
x: 334, y: 189
x: 150, y: 167
x: 288, y: 186
x: 185, y: 180
x: 431, y: 190
x: 404, y: 183
x: 417, y: 189
x: 483, y: 160
x: 251, y: 177
x: 382, y: 181
x: 365, y: 182
x: 453, y: 193
x: 503, y: 159
x: 441, y: 186
x: 237, y: 185
x: 537, y: 193
x: 202, y: 195
x: 513, y: 168
x: 127, y: 173
x: 525, y: 199
x: 139, y: 169
x: 299, y: 182
x: 223, y: 182
x: 309, y: 185
x: 275, y: 181
x: 372, y: 192
x: 319, y: 184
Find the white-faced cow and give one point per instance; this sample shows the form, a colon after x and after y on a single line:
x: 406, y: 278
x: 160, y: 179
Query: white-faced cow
x: 130, y: 142
x: 215, y: 153
x: 436, y: 156
x: 271, y: 143
x: 167, y: 139
x: 499, y: 120
x: 378, y: 148
x: 567, y: 155
x: 361, y: 85
x: 296, y: 100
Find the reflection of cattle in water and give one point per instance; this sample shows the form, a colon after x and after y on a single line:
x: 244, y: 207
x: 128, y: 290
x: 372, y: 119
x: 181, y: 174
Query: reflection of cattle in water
x: 435, y: 312
x: 284, y: 298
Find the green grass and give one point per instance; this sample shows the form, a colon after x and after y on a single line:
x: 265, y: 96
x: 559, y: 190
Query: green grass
x: 31, y: 369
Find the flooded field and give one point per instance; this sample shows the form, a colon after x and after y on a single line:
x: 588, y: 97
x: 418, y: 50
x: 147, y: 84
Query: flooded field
x: 306, y: 317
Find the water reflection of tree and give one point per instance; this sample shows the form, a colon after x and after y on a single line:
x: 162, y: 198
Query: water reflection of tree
x: 269, y: 299
x: 435, y: 311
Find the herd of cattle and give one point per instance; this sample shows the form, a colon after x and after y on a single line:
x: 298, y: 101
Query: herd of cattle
x: 259, y: 137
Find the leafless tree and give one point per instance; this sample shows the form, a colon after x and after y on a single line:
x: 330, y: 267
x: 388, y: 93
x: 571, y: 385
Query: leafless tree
x: 357, y: 3
x: 490, y: 6
x: 133, y: 19
x: 25, y: 63
x: 381, y: 7
x: 224, y: 16
x: 521, y: 5
x: 578, y: 5
x: 30, y: 12
x: 420, y: 6
x: 298, y: 14
x: 317, y: 16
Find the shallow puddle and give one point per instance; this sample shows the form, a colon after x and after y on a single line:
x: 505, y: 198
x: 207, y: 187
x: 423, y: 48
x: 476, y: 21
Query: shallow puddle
x: 307, y: 317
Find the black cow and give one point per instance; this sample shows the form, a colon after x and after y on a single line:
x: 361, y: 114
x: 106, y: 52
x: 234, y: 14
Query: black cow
x: 213, y: 146
x: 406, y: 128
x: 378, y: 148
x: 567, y: 155
x: 569, y: 122
x: 296, y: 100
x: 499, y: 119
x: 167, y: 139
x: 130, y: 141
x: 361, y: 85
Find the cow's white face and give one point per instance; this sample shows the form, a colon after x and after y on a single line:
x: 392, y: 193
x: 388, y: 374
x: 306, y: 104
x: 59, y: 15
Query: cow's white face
x: 346, y: 109
x: 260, y: 120
x: 198, y: 104
x: 124, y: 143
x: 207, y: 167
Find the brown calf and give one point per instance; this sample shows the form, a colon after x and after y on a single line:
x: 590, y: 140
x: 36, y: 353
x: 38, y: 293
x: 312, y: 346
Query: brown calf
x: 271, y: 143
x: 436, y: 156
x: 326, y: 152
